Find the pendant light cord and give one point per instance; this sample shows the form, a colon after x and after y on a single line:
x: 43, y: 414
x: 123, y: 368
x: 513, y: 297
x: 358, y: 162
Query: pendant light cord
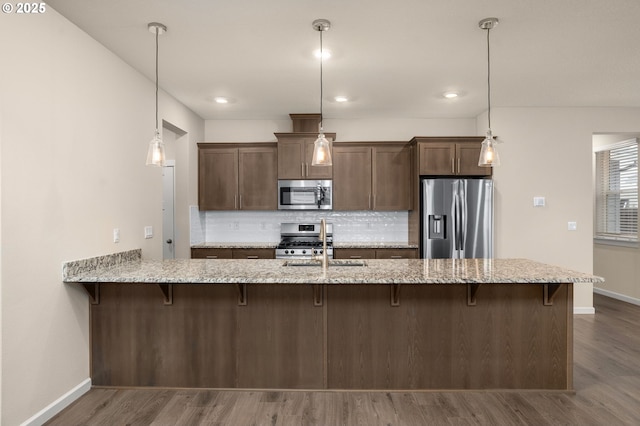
x: 488, y: 79
x: 321, y: 91
x: 157, y: 34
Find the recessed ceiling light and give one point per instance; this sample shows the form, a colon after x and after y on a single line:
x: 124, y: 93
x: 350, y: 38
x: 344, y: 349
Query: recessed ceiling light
x: 326, y: 54
x: 221, y: 100
x: 450, y: 95
x: 341, y: 99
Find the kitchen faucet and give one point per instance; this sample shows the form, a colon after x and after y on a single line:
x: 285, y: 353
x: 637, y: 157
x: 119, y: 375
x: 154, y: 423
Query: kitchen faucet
x: 323, y: 235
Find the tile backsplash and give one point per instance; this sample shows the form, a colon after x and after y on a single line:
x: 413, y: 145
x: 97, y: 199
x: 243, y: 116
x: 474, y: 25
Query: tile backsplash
x: 264, y: 226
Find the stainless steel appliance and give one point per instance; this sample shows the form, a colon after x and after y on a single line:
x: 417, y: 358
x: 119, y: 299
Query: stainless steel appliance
x: 457, y: 218
x: 305, y: 194
x: 302, y: 240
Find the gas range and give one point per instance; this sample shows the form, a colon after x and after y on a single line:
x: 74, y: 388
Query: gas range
x: 302, y: 240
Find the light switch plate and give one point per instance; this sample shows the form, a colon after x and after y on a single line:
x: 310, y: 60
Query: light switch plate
x: 148, y: 232
x: 116, y: 235
x: 572, y: 226
x: 538, y: 201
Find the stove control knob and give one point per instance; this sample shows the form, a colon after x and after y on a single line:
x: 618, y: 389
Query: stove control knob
x: 315, y: 251
x: 286, y: 252
x: 304, y: 252
x: 320, y: 251
x: 292, y: 251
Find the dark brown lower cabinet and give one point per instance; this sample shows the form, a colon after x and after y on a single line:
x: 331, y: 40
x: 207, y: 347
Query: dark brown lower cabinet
x: 301, y: 336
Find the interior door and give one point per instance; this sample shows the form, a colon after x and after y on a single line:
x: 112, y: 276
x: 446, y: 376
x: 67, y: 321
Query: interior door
x: 168, y: 221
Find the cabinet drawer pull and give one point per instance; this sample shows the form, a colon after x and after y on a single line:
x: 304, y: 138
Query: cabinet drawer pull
x: 212, y: 257
x: 396, y: 257
x: 252, y: 257
x: 355, y: 257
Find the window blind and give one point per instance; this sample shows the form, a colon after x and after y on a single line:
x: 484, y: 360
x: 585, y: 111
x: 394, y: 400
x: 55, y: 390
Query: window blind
x: 617, y: 191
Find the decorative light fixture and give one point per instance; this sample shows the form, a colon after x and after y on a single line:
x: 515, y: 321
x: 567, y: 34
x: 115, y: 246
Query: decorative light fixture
x: 321, y: 147
x: 155, y: 155
x: 488, y: 154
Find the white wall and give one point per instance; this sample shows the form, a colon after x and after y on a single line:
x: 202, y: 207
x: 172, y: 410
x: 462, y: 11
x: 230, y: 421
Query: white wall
x: 76, y: 122
x: 548, y: 152
x: 390, y: 129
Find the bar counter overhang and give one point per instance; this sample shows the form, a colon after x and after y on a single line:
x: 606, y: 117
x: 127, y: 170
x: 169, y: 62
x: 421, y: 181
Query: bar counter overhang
x: 433, y: 324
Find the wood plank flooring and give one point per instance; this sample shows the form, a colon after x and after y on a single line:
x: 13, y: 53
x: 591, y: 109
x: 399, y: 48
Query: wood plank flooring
x: 606, y: 380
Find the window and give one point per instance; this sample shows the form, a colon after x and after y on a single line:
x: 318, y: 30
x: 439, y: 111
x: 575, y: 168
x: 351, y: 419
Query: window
x: 617, y: 192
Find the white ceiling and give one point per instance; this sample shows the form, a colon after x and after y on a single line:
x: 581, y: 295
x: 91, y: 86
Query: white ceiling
x: 394, y: 59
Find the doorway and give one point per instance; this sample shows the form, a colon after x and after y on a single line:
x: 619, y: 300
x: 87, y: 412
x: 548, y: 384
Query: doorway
x: 168, y: 210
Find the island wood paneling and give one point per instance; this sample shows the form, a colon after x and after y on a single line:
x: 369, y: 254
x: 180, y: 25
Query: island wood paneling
x: 280, y: 338
x: 434, y: 340
x: 356, y: 340
x: 205, y: 339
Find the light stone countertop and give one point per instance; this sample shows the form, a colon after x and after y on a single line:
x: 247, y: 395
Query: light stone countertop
x: 237, y: 245
x: 336, y: 244
x: 272, y: 271
x: 374, y: 245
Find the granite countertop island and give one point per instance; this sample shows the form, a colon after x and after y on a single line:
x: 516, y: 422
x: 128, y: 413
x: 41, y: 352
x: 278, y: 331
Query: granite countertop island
x: 269, y: 271
x: 387, y: 324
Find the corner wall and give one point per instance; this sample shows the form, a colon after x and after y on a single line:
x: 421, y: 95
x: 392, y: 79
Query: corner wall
x: 548, y: 152
x: 76, y: 122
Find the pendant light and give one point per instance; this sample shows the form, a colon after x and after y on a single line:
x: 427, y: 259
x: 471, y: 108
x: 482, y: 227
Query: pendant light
x: 488, y: 153
x: 321, y: 147
x: 156, y: 155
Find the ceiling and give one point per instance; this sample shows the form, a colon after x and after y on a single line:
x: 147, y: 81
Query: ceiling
x: 392, y: 59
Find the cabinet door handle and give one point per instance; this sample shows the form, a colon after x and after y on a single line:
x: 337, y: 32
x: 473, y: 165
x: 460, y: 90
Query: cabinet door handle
x: 453, y: 166
x: 369, y: 203
x: 212, y: 257
x: 373, y: 206
x: 307, y: 169
x: 355, y: 257
x: 396, y: 257
x: 302, y: 169
x: 458, y: 164
x: 252, y: 257
x: 235, y: 201
x: 240, y: 201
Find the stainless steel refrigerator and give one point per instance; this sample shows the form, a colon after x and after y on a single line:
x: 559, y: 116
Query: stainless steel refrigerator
x: 457, y: 218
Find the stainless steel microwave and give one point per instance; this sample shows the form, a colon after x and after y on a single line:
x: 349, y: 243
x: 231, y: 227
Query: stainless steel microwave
x: 305, y: 195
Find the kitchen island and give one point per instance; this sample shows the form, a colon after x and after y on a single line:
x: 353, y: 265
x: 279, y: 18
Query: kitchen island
x: 375, y: 324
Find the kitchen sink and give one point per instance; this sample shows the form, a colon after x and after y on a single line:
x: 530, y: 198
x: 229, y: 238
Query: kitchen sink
x: 332, y: 263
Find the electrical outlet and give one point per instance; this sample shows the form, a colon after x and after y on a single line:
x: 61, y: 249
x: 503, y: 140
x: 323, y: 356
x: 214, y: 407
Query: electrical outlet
x: 572, y: 226
x: 538, y: 201
x: 116, y: 235
x: 148, y: 232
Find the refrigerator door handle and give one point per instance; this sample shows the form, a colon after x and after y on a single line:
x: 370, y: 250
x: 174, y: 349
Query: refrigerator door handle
x: 463, y: 219
x: 457, y: 221
x: 454, y: 217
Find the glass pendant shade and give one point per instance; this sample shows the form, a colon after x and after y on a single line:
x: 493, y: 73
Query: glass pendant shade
x: 155, y: 155
x: 488, y: 154
x: 321, y: 151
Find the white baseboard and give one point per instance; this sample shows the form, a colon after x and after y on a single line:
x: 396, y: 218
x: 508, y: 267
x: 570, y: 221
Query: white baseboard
x: 582, y: 310
x: 58, y: 405
x: 618, y: 296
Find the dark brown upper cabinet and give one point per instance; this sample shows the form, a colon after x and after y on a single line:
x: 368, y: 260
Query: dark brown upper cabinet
x: 237, y: 176
x: 372, y: 176
x: 295, y: 152
x: 450, y: 156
